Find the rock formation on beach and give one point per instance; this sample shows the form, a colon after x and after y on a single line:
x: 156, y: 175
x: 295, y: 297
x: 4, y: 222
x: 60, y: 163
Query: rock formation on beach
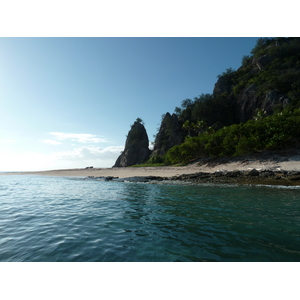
x: 136, y: 149
x: 170, y: 134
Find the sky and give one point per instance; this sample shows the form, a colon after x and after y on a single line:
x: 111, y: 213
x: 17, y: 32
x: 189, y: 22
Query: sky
x: 69, y: 102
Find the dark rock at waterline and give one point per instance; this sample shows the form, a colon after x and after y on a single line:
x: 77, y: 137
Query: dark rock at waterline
x: 261, y: 177
x: 102, y: 178
x: 294, y: 173
x: 141, y: 179
x: 266, y: 174
x: 253, y: 172
x: 109, y: 178
x: 190, y: 176
x: 294, y: 177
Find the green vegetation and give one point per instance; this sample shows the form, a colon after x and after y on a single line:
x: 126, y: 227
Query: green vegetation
x: 214, y: 111
x: 277, y: 68
x: 134, y: 134
x: 140, y: 121
x: 280, y: 130
x: 212, y: 122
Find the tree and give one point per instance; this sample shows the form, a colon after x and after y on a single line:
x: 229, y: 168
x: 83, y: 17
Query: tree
x: 259, y: 114
x: 139, y: 120
x: 200, y: 127
x: 187, y: 125
x: 178, y: 111
x: 187, y: 103
x: 228, y: 71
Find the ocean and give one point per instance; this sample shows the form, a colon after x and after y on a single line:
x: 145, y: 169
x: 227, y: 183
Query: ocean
x: 72, y: 219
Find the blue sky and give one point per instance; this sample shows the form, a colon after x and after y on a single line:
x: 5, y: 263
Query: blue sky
x: 69, y: 102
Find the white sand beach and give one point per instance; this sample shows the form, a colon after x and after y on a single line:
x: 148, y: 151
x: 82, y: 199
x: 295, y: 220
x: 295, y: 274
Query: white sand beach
x: 281, y: 161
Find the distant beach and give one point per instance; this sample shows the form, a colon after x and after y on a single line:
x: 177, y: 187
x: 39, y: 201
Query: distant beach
x: 266, y: 162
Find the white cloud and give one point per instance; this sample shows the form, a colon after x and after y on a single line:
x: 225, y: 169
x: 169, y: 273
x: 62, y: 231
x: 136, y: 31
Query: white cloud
x: 77, y: 158
x: 90, y: 153
x: 78, y: 137
x: 51, y: 142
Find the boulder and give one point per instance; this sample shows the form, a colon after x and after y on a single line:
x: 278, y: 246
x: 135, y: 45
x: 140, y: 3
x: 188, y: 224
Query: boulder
x: 253, y: 172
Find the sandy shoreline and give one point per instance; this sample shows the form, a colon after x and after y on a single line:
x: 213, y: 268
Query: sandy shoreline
x: 267, y: 161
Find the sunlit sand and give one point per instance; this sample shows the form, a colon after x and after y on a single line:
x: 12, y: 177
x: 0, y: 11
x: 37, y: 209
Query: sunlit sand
x: 290, y: 163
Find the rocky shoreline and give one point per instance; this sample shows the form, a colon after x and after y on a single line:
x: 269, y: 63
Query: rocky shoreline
x: 251, y: 177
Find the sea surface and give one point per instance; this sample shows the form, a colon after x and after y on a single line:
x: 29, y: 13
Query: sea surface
x: 62, y: 219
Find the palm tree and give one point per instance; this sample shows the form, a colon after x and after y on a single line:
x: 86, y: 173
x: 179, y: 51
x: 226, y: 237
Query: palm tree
x: 200, y: 127
x: 187, y: 125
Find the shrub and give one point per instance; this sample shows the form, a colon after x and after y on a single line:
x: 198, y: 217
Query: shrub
x: 273, y: 132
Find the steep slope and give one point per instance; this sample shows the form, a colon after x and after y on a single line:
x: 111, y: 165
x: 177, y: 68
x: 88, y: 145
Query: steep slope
x: 269, y: 80
x: 170, y: 134
x: 221, y: 123
x: 136, y: 147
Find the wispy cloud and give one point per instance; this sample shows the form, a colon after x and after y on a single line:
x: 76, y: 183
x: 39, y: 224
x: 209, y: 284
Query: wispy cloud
x: 78, y: 137
x: 51, y: 142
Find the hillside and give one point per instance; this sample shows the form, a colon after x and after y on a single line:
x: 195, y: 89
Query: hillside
x: 251, y: 109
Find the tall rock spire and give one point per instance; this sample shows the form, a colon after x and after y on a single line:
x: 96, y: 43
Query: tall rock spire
x: 136, y: 147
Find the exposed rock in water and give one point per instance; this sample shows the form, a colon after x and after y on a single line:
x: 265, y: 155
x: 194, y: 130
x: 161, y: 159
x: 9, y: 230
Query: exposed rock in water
x: 261, y: 177
x: 136, y: 149
x: 170, y: 134
x: 141, y: 179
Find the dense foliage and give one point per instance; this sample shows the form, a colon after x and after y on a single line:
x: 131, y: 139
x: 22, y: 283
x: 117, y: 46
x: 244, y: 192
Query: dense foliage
x: 277, y: 131
x: 281, y: 72
x: 215, y: 111
x: 280, y: 58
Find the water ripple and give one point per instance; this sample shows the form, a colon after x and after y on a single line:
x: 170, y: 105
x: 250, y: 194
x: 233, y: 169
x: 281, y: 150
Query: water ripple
x: 70, y: 219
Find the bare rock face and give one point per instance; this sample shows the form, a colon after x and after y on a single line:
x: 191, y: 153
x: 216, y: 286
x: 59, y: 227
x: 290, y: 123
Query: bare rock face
x: 223, y: 85
x: 273, y: 99
x: 169, y: 134
x: 136, y: 147
x: 249, y: 100
x: 262, y: 61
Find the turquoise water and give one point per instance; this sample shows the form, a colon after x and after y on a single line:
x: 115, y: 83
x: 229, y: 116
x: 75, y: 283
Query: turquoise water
x: 72, y: 219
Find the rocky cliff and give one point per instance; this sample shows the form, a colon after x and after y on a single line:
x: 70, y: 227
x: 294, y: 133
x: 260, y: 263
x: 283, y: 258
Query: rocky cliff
x: 170, y: 134
x: 267, y: 81
x: 136, y: 149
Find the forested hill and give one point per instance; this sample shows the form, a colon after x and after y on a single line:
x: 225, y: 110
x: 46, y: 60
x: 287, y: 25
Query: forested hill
x: 268, y: 80
x: 253, y: 108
